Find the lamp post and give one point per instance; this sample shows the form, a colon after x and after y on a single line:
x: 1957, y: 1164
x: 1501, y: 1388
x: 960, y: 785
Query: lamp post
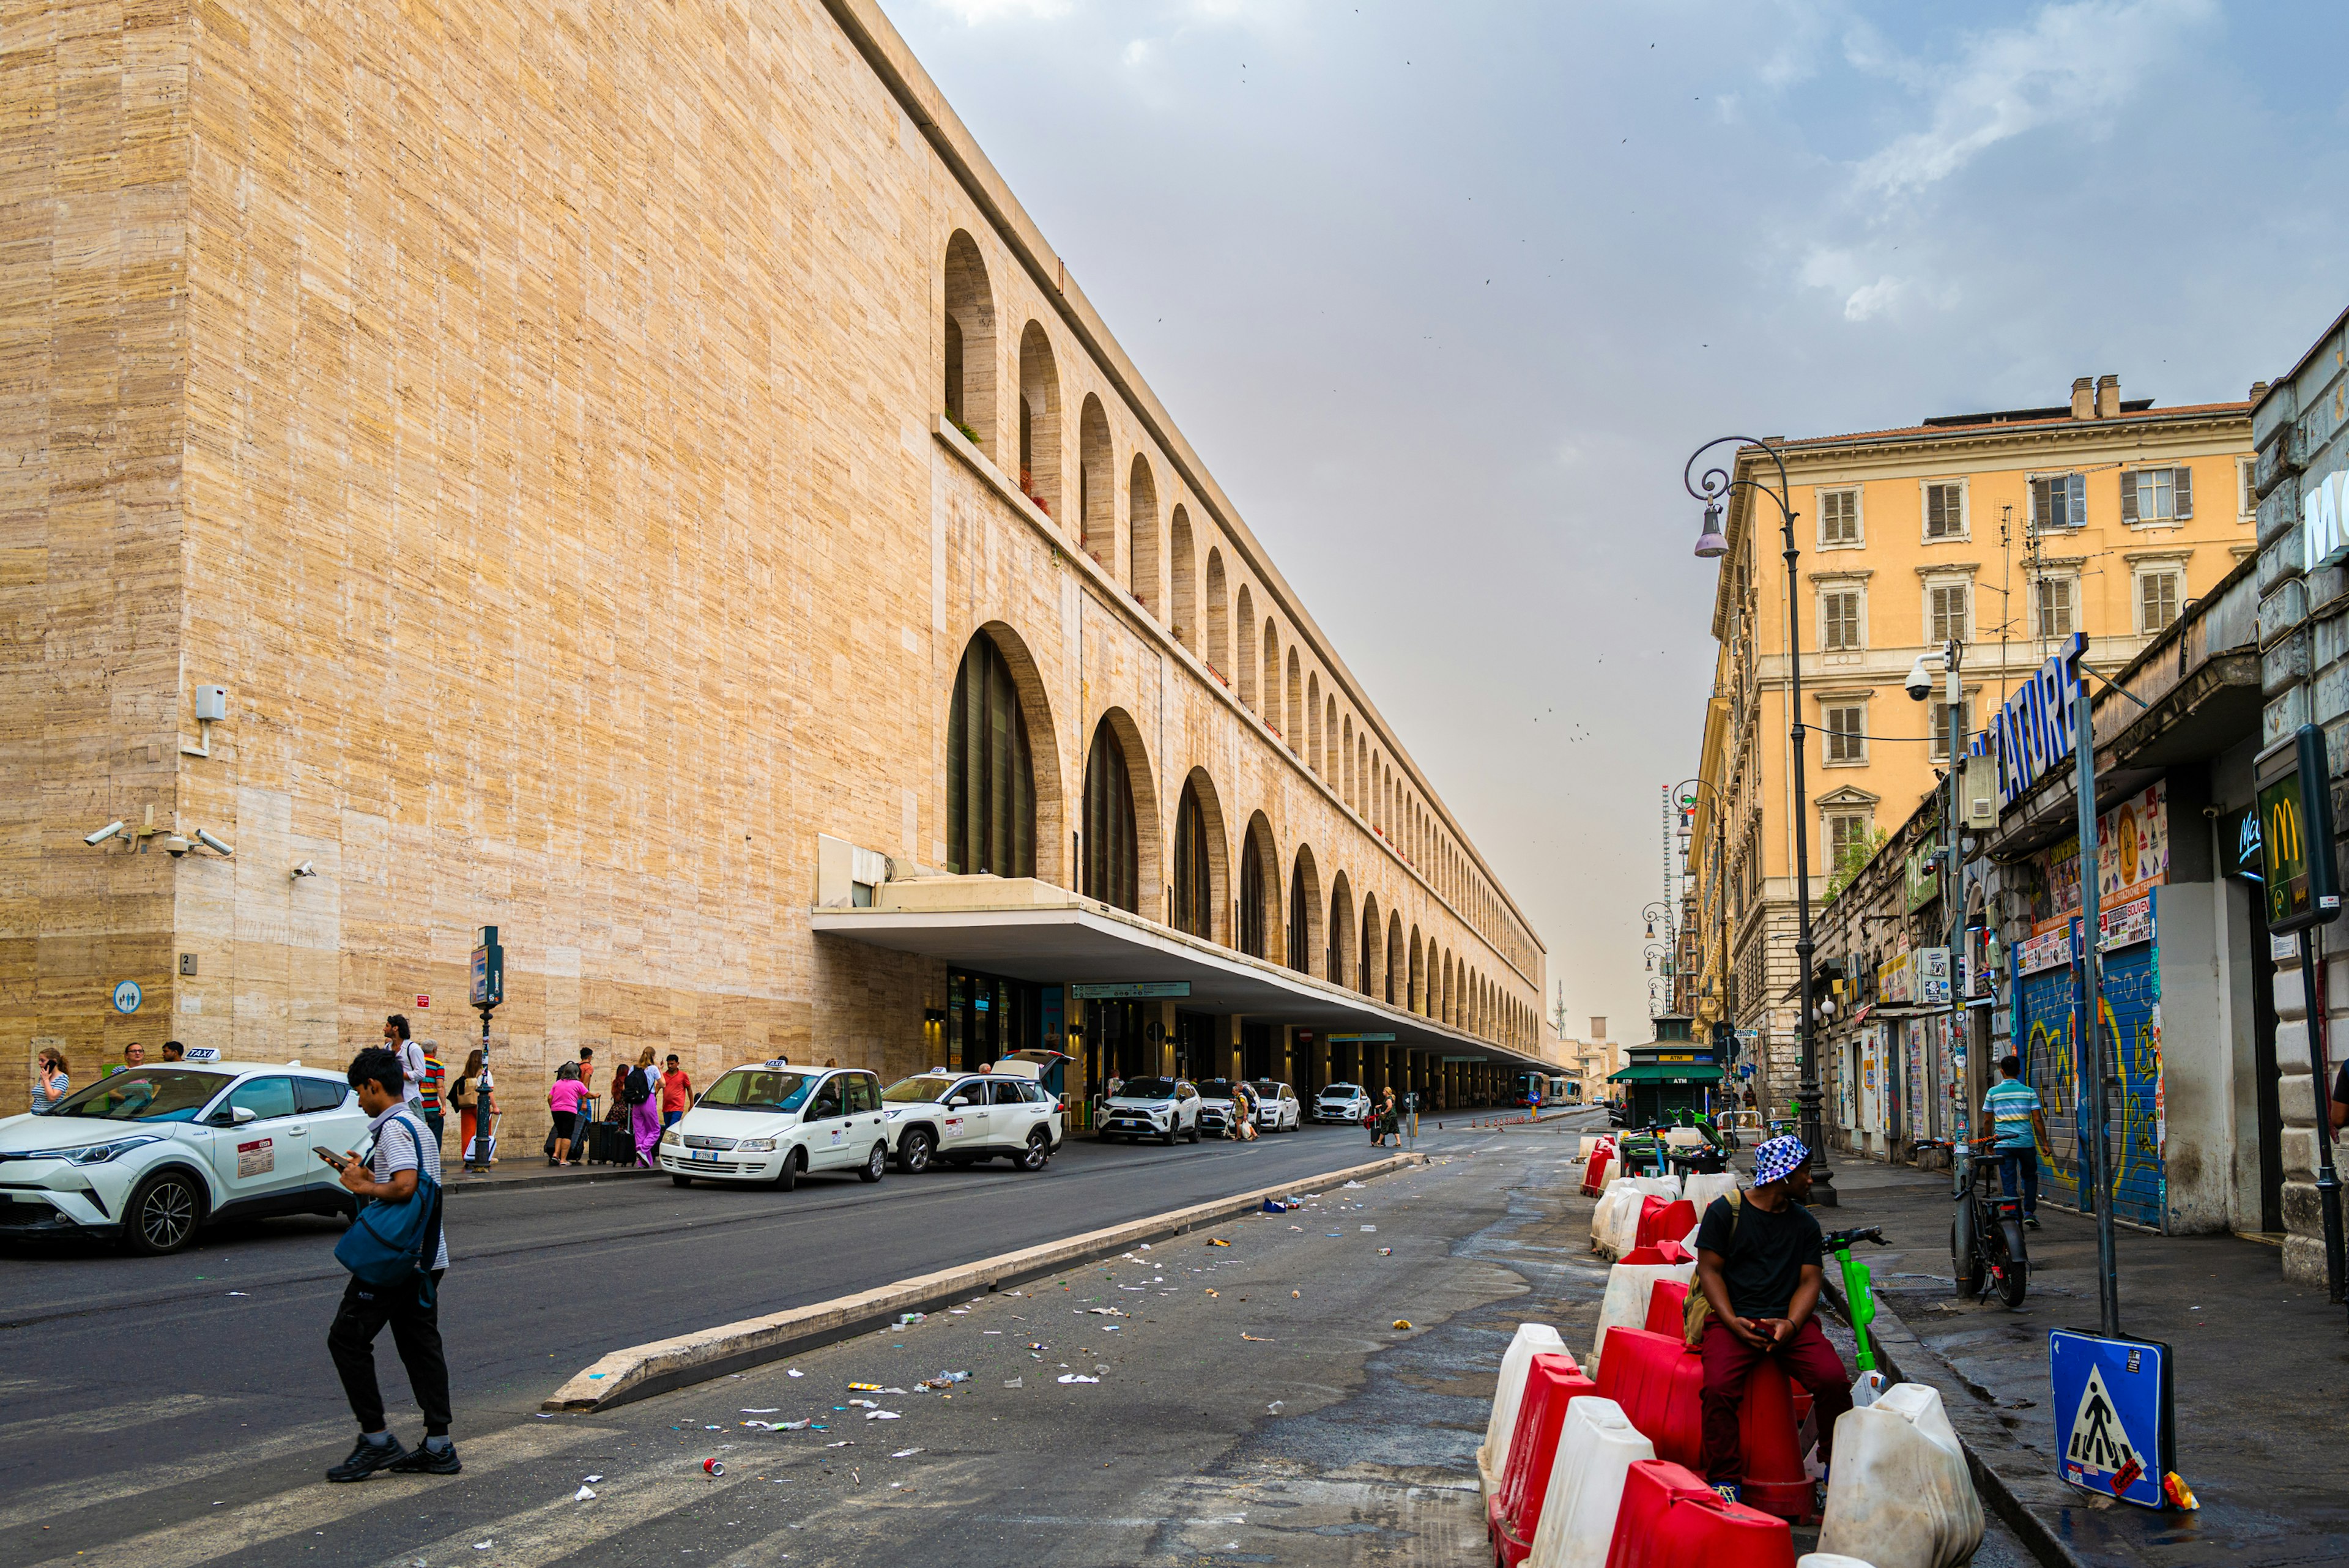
x: 1658, y: 910
x: 1712, y: 488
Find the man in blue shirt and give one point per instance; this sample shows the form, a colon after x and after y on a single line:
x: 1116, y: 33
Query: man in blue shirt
x: 2016, y: 1126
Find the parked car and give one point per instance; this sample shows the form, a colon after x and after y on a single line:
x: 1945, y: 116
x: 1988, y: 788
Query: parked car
x: 1163, y: 1108
x: 1215, y: 1106
x: 1342, y: 1103
x: 772, y: 1122
x: 1277, y: 1110
x: 960, y: 1118
x: 153, y: 1154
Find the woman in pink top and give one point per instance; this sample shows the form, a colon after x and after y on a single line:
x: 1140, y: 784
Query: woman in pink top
x: 563, y: 1099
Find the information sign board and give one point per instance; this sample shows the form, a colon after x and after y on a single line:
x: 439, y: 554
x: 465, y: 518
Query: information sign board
x: 1130, y: 991
x: 2113, y: 1414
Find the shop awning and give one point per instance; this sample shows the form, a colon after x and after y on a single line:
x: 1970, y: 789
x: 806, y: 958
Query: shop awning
x: 1667, y: 1073
x: 1026, y: 929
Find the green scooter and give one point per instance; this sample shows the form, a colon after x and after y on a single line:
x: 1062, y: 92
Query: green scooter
x: 1859, y: 1302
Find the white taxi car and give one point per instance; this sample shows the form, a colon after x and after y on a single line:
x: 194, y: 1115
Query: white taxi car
x: 1215, y: 1106
x: 1277, y: 1110
x: 1347, y: 1103
x: 774, y: 1123
x: 960, y: 1118
x: 153, y: 1155
x: 1163, y: 1108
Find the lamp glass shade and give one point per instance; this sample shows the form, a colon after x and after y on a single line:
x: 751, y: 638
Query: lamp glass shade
x: 1709, y: 544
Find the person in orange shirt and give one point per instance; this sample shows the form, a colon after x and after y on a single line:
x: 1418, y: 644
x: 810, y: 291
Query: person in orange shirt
x: 676, y: 1092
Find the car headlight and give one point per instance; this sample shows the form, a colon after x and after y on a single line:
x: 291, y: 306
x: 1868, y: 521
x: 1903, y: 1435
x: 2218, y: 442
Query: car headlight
x: 755, y: 1145
x: 672, y: 1136
x: 100, y: 1153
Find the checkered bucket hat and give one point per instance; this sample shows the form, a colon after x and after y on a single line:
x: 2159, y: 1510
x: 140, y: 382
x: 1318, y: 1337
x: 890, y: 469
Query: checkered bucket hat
x: 1777, y: 1158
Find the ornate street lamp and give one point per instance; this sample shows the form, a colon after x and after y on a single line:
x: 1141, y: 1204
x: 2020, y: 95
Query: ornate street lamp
x: 1659, y: 910
x: 1712, y: 489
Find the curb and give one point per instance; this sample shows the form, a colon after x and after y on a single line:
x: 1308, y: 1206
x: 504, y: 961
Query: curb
x: 2014, y: 1481
x: 551, y: 1179
x: 641, y: 1371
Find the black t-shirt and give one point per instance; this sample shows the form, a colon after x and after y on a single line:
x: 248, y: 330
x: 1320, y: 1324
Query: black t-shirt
x: 1762, y: 1263
x: 2340, y: 1085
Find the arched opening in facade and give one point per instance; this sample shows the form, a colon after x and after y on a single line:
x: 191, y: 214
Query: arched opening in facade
x: 1346, y: 765
x: 1295, y: 712
x: 1198, y: 895
x: 1244, y: 607
x: 1444, y: 1003
x: 1182, y: 561
x: 1111, y: 847
x: 1219, y: 617
x: 1039, y: 422
x: 1331, y: 760
x: 1257, y: 883
x: 1341, y: 961
x: 1096, y: 486
x: 1141, y: 537
x: 991, y: 817
x: 1304, y: 912
x: 1415, y: 998
x: 1373, y: 941
x: 1271, y: 710
x: 1396, y: 963
x: 970, y: 370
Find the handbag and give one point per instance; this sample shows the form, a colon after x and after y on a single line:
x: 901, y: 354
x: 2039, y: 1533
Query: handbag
x: 391, y: 1242
x: 1698, y: 1307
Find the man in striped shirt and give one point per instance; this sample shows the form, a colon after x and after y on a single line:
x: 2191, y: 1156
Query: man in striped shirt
x: 2017, y: 1127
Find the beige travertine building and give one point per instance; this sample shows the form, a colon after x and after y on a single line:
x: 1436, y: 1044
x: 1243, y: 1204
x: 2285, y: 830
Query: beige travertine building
x: 548, y: 424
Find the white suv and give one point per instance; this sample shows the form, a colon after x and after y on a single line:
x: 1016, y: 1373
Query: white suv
x: 1342, y: 1103
x: 963, y: 1116
x: 772, y: 1122
x: 150, y: 1155
x: 1163, y: 1108
x: 1277, y: 1110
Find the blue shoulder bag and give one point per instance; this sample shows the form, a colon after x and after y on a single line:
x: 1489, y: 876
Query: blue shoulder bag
x: 391, y: 1244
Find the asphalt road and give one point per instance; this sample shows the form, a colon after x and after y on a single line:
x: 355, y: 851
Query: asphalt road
x: 110, y: 1364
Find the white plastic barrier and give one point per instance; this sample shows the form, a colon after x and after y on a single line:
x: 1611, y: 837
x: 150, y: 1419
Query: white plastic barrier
x: 1828, y: 1560
x: 1533, y: 1339
x: 1597, y: 1448
x: 1608, y: 1200
x: 1626, y: 1303
x: 1683, y: 1137
x: 1898, y: 1495
x: 1704, y: 1188
x: 1590, y: 1142
x: 1615, y: 1224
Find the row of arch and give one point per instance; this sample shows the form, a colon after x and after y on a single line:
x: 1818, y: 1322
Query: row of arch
x: 1193, y: 594
x: 1236, y: 888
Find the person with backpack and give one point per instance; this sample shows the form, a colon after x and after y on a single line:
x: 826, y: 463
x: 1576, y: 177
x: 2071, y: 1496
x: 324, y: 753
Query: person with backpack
x: 1759, y: 1256
x: 396, y: 1253
x: 641, y: 1093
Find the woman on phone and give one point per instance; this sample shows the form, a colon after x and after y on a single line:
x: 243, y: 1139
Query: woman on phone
x: 50, y: 1083
x: 471, y: 1097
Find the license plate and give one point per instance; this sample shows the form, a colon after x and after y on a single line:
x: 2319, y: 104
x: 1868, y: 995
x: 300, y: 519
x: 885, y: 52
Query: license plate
x: 701, y: 1154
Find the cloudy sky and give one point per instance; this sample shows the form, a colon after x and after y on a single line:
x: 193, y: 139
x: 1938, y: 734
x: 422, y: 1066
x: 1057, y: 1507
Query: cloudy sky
x: 1445, y: 293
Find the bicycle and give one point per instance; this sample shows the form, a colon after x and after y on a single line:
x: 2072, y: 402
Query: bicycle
x: 1986, y: 1245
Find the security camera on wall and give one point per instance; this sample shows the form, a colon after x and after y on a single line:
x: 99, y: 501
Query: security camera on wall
x: 1919, y: 684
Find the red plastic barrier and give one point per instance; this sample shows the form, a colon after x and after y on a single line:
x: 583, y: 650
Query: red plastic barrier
x: 1663, y: 1222
x: 1659, y: 1384
x: 1669, y: 1251
x: 1552, y: 1383
x: 1667, y: 1307
x: 1594, y: 1175
x: 1649, y: 1204
x: 1671, y: 1519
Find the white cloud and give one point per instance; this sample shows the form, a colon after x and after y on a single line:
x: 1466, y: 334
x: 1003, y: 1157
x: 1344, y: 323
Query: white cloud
x: 978, y: 12
x: 2070, y: 63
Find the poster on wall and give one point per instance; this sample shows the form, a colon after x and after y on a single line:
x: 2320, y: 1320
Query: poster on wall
x: 2132, y: 853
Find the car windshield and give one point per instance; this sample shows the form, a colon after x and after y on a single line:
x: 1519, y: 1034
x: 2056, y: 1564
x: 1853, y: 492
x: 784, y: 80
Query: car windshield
x: 144, y: 1094
x: 916, y: 1091
x: 1266, y: 1089
x: 758, y: 1089
x: 1341, y: 1092
x: 1147, y: 1089
x: 1216, y: 1090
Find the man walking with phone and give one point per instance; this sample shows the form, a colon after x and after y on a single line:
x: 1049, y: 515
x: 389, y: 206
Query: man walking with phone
x: 405, y: 1156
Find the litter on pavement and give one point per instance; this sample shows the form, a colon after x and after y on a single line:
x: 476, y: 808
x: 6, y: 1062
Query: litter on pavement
x: 1013, y: 1383
x: 583, y: 1494
x: 1077, y: 1377
x: 905, y: 1453
x: 1403, y: 1323
x: 1386, y: 1251
x: 881, y: 1415
x: 795, y: 1372
x: 1218, y: 1241
x: 763, y: 1410
x: 1258, y: 1338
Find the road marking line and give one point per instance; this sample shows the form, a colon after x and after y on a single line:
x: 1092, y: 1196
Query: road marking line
x: 106, y: 1418
x: 202, y: 1539
x: 60, y: 1498
x: 553, y: 1530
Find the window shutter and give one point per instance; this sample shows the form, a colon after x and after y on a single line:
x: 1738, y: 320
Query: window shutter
x: 2184, y: 506
x: 2128, y: 497
x: 2043, y: 511
x: 2075, y: 512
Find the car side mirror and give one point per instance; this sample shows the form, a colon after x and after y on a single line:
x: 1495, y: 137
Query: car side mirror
x: 240, y: 1114
x: 960, y: 1102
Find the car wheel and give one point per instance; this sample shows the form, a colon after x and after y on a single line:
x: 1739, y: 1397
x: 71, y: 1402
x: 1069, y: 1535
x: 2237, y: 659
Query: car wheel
x: 1194, y: 1133
x: 789, y: 1177
x: 1039, y: 1150
x: 1173, y: 1130
x: 680, y: 1180
x: 913, y: 1151
x: 877, y: 1164
x: 162, y: 1213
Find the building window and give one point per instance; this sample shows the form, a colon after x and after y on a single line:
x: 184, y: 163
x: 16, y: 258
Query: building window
x: 1195, y: 886
x: 1945, y: 511
x: 1844, y: 723
x: 1839, y: 619
x: 1113, y: 864
x: 1252, y: 886
x: 2059, y: 501
x: 1848, y: 839
x: 2157, y: 601
x: 1300, y: 920
x: 1838, y: 516
x: 2158, y: 495
x: 2247, y: 500
x: 990, y: 788
x: 2052, y: 599
x: 1945, y: 611
x: 1940, y: 737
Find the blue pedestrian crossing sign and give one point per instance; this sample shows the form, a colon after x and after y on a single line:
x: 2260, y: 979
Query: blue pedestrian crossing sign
x: 2113, y: 1420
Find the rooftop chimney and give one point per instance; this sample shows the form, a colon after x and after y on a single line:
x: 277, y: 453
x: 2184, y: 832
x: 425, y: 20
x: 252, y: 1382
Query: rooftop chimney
x: 2259, y: 390
x: 2084, y: 398
x: 2108, y: 397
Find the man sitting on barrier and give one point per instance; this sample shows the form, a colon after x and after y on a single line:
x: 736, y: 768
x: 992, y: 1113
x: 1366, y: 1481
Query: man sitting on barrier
x: 1758, y: 1259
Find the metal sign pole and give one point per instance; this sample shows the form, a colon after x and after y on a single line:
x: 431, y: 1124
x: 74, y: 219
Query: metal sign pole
x: 2091, y: 1034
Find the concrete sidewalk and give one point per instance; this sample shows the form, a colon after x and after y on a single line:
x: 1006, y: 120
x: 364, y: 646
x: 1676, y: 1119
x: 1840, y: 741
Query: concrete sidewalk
x: 2262, y: 1382
x: 526, y: 1171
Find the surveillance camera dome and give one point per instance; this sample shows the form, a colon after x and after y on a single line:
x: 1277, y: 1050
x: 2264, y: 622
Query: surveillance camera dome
x: 1919, y: 684
x: 176, y: 846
